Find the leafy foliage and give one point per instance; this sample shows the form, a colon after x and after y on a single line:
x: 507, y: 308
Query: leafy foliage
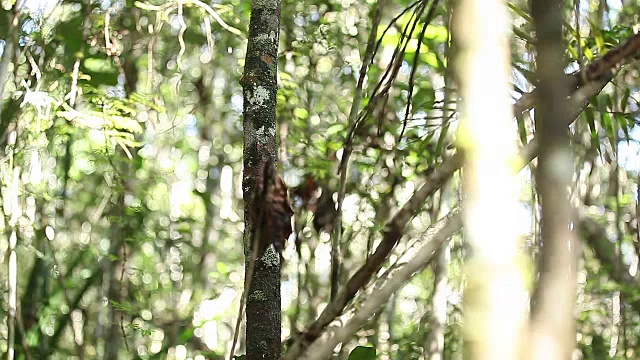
x: 121, y: 139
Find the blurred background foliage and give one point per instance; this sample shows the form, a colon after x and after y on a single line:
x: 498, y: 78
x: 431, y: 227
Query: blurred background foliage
x: 121, y: 138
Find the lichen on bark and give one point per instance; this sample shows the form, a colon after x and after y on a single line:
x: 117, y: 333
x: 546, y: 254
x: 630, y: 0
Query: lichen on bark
x: 259, y: 85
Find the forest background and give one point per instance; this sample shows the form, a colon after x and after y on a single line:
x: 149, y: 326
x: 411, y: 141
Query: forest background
x: 123, y: 156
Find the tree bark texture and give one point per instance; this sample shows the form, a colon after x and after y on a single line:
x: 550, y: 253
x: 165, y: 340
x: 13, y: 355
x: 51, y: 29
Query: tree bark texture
x: 552, y: 314
x: 260, y: 89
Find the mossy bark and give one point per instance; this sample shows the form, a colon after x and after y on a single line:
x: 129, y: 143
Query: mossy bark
x: 260, y: 87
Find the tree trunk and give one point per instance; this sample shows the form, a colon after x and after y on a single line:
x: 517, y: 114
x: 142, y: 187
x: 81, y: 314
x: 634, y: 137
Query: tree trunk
x: 552, y: 313
x: 495, y: 295
x: 112, y: 288
x: 260, y: 87
x: 438, y: 318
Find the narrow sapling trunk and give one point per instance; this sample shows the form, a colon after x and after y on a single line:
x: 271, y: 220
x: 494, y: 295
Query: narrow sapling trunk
x: 259, y: 85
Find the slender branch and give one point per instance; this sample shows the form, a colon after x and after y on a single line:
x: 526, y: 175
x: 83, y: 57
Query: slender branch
x: 438, y: 234
x: 414, y: 67
x: 604, y: 250
x: 346, y: 153
x: 22, y: 332
x: 596, y: 237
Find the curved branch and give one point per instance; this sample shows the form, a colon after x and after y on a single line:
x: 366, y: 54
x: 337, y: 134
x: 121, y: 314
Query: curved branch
x: 438, y: 234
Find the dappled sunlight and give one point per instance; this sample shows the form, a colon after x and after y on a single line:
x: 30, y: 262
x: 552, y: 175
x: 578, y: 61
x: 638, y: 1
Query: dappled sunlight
x: 125, y: 166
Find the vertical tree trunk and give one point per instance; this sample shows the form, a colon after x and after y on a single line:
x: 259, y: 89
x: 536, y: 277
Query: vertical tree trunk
x: 10, y: 47
x: 259, y: 84
x: 112, y: 286
x: 495, y: 297
x: 12, y: 212
x: 123, y: 231
x: 552, y: 317
x: 13, y: 19
x: 438, y: 318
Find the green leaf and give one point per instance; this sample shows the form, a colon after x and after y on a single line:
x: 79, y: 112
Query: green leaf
x: 431, y: 59
x: 126, y: 123
x: 624, y: 124
x: 441, y: 138
x: 185, y: 336
x: 588, y: 113
x: 602, y: 102
x: 522, y: 130
x: 595, y: 140
x: 588, y: 53
x: 334, y: 129
x: 624, y: 102
x: 99, y: 65
x: 300, y: 113
x: 438, y: 33
x: 573, y: 52
x: 523, y: 14
x: 600, y: 42
x: 363, y: 353
x: 608, y: 125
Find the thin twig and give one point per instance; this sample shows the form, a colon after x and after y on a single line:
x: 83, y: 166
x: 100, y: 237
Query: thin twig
x: 439, y: 233
x: 344, y: 162
x: 414, y: 67
x: 123, y: 290
x: 170, y: 6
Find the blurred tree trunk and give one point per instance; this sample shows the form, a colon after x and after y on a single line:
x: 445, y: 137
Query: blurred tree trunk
x: 35, y: 296
x: 123, y: 236
x: 112, y: 284
x: 128, y: 224
x: 208, y: 257
x: 552, y: 314
x: 438, y: 319
x: 13, y: 18
x: 259, y: 83
x: 12, y: 212
x: 495, y: 296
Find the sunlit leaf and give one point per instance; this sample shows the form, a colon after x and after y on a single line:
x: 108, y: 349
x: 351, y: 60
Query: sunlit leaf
x: 363, y: 353
x: 301, y: 113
